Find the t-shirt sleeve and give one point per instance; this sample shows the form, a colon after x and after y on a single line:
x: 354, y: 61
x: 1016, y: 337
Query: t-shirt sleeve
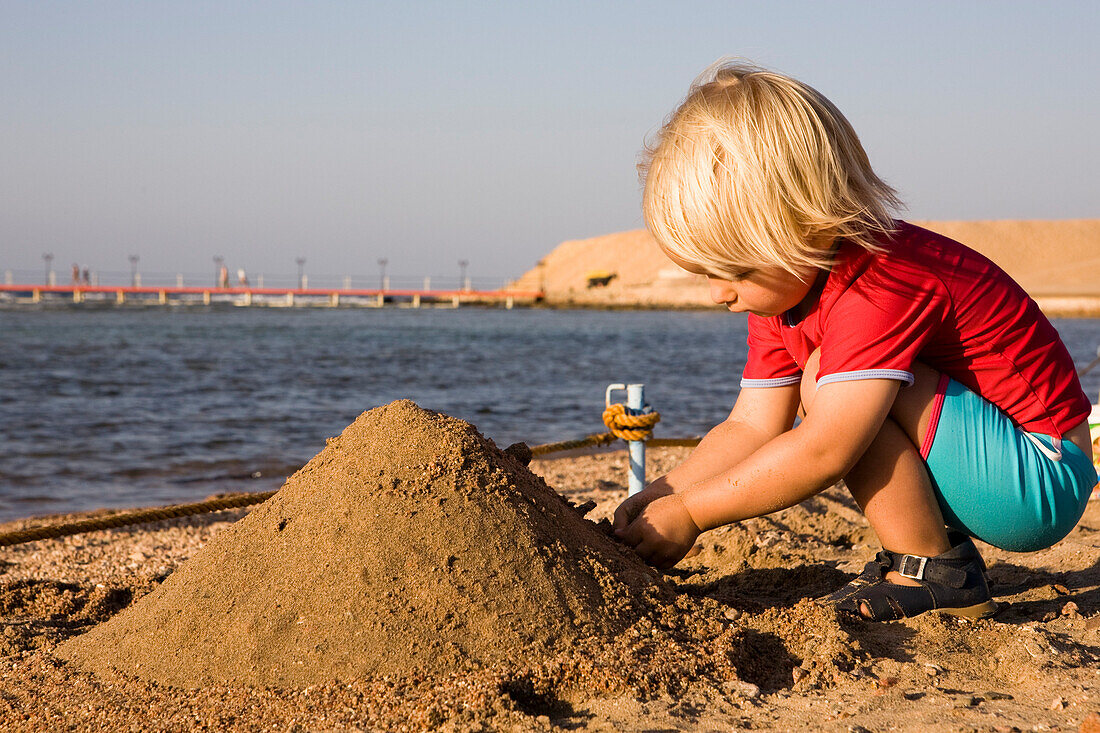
x: 769, y: 364
x: 878, y: 325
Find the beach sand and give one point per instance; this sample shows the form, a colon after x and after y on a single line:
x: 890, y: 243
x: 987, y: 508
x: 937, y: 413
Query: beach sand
x: 750, y: 650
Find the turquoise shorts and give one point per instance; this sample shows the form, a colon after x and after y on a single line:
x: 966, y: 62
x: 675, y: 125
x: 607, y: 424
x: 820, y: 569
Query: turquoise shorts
x: 1015, y: 490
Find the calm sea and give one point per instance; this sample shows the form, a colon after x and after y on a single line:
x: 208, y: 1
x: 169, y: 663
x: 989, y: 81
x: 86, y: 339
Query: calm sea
x: 127, y: 407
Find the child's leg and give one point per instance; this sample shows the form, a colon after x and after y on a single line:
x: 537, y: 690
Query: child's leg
x: 890, y: 482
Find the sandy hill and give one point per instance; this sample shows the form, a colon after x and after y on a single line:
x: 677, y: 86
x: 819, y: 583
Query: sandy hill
x: 409, y: 543
x: 1057, y: 262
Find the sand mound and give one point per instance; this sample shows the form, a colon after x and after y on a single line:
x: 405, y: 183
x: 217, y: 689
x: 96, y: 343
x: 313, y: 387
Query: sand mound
x: 738, y: 644
x: 410, y: 543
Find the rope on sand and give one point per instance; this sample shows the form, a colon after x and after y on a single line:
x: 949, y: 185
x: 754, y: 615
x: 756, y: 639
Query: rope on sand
x: 622, y: 425
x: 597, y: 439
x: 127, y: 518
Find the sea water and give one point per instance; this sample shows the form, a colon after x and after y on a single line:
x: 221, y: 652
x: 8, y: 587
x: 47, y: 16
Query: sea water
x: 119, y: 407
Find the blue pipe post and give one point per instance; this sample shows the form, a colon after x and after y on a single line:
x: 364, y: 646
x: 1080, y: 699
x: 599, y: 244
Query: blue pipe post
x: 635, y: 402
x: 635, y: 405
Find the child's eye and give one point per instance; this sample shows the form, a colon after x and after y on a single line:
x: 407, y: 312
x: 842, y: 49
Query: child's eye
x: 743, y: 275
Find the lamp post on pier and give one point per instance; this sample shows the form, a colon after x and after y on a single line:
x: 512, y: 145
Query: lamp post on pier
x: 301, y: 272
x: 218, y: 262
x: 48, y: 257
x: 382, y: 267
x: 135, y: 279
x: 463, y: 282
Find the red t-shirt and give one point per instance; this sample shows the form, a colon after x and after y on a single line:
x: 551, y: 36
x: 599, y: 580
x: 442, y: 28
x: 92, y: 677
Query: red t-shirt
x: 926, y: 298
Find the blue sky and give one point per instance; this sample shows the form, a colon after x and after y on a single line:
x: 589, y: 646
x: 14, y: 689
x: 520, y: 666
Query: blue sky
x: 428, y: 132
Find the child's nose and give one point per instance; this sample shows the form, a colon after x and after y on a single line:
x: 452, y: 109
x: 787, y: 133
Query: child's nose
x: 721, y: 292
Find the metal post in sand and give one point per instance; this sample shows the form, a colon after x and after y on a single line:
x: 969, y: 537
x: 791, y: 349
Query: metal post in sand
x: 635, y: 400
x: 635, y: 403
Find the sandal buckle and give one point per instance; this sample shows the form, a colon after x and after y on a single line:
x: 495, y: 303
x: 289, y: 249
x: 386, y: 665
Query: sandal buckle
x: 907, y: 561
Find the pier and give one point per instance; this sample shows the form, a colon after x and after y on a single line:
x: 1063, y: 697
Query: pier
x: 29, y: 294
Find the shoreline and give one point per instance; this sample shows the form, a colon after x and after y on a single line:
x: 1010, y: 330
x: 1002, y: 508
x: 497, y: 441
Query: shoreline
x: 1052, y: 306
x: 1063, y: 308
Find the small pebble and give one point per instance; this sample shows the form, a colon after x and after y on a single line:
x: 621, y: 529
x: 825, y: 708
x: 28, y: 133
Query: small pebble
x: 732, y: 614
x: 1061, y: 589
x: 1057, y: 704
x: 1070, y: 610
x: 933, y: 669
x: 744, y: 689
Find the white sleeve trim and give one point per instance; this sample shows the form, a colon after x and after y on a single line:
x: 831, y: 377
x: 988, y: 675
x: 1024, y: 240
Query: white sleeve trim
x: 899, y: 374
x: 775, y: 382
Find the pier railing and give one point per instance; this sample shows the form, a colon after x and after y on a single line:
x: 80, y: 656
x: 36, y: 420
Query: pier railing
x: 255, y: 280
x: 29, y: 293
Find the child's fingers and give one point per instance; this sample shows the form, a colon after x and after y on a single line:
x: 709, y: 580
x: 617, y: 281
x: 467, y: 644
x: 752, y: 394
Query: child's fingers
x: 646, y: 550
x: 622, y: 518
x: 626, y: 513
x: 631, y: 535
x: 667, y: 557
x: 658, y: 553
x: 653, y: 550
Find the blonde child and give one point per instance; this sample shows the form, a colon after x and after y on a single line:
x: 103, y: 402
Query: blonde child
x: 927, y: 379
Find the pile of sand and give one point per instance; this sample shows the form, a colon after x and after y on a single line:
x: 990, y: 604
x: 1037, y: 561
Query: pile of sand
x: 739, y: 644
x: 410, y: 543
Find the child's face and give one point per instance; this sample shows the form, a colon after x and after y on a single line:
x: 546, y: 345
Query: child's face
x: 764, y: 290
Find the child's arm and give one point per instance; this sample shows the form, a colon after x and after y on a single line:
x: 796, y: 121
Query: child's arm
x: 789, y: 468
x: 758, y: 415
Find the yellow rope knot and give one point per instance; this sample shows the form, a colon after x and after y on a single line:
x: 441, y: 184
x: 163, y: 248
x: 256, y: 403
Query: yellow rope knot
x: 629, y: 427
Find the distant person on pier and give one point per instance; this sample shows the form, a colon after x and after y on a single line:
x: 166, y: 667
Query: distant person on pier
x: 86, y: 277
x: 242, y: 277
x: 223, y: 277
x: 76, y: 274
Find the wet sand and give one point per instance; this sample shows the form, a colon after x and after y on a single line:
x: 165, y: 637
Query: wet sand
x: 748, y: 650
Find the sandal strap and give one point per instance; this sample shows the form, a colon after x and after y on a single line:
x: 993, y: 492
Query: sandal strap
x: 888, y: 602
x: 880, y: 565
x: 927, y: 568
x: 873, y: 573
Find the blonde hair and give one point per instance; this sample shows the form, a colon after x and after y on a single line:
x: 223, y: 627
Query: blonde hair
x: 755, y: 168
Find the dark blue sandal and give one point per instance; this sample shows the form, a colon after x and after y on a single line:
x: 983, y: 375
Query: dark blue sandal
x: 952, y: 583
x: 872, y: 575
x: 956, y: 538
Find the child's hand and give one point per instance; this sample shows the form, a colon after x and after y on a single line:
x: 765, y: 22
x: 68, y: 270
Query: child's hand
x: 663, y: 533
x: 628, y: 511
